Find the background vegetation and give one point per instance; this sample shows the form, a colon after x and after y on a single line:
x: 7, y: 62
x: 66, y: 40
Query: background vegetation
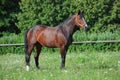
x: 102, y: 16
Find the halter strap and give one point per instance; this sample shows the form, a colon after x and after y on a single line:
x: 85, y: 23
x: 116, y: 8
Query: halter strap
x: 77, y: 21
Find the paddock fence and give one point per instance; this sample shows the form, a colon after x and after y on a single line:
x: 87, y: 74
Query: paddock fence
x: 74, y: 43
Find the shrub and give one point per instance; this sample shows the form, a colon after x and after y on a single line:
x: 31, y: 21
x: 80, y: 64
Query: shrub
x: 101, y: 15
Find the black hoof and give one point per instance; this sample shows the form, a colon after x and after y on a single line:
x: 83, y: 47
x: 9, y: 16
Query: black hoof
x: 62, y: 67
x: 38, y: 67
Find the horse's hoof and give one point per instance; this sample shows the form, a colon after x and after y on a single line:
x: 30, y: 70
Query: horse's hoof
x: 38, y: 67
x: 62, y: 68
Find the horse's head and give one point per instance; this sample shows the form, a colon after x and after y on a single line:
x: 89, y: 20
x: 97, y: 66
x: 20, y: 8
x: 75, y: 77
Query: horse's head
x: 80, y: 21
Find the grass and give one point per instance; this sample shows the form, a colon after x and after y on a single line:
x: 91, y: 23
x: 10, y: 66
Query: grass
x: 8, y: 38
x: 79, y: 66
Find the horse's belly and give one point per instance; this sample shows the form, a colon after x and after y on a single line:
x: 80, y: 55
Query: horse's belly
x: 51, y: 39
x: 49, y: 43
x: 47, y: 40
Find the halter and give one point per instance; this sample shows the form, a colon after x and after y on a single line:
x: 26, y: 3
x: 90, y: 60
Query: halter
x: 77, y: 21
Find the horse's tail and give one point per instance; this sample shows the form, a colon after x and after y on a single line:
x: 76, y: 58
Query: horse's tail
x: 26, y: 42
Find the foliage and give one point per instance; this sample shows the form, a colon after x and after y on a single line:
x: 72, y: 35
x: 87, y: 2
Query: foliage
x: 78, y: 36
x: 8, y: 11
x: 43, y: 12
x: 84, y: 66
x: 11, y: 39
x: 101, y: 15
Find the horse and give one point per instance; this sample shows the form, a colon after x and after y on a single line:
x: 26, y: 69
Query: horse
x: 59, y: 36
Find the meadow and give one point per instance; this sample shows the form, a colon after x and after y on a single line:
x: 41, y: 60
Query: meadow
x: 86, y: 65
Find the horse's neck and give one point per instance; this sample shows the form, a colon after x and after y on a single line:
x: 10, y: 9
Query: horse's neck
x: 69, y: 28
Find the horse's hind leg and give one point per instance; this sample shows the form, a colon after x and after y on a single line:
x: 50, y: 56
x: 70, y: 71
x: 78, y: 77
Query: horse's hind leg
x: 38, y: 50
x: 27, y: 56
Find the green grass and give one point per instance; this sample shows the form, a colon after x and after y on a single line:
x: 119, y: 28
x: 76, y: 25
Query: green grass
x: 79, y: 66
x: 11, y: 38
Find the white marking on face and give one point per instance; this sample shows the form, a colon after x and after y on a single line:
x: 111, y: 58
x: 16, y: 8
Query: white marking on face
x: 84, y: 21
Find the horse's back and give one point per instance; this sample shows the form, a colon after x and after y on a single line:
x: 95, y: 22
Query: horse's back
x: 46, y: 36
x: 51, y: 37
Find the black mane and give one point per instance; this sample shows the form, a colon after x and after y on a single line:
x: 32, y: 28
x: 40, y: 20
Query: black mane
x: 67, y: 20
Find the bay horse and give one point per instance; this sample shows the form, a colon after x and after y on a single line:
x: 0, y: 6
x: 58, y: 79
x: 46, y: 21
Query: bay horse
x: 52, y: 37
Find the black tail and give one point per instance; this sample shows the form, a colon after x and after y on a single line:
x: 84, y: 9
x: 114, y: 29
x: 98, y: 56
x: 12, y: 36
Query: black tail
x: 26, y: 42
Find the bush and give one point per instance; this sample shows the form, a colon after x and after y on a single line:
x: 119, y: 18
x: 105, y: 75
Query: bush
x: 8, y: 12
x: 101, y: 15
x: 78, y: 36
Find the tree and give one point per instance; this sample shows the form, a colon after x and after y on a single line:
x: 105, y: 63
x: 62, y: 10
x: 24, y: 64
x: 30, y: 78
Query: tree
x: 101, y: 15
x: 8, y: 11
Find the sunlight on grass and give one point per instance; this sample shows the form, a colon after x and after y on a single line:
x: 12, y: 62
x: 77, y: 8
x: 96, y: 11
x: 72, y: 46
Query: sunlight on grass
x: 79, y: 66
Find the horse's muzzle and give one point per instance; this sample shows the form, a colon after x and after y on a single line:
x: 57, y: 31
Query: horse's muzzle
x: 86, y: 27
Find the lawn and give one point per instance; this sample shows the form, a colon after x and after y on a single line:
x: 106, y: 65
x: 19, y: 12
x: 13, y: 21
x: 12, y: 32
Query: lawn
x: 79, y: 66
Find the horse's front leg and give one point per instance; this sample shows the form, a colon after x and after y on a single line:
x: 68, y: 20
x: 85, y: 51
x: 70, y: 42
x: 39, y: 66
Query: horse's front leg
x: 63, y: 57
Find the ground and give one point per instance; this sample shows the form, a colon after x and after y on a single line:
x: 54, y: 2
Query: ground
x: 79, y: 66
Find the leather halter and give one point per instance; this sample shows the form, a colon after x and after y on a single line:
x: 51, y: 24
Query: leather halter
x: 77, y: 22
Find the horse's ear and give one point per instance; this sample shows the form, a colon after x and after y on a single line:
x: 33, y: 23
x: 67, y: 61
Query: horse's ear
x: 79, y: 12
x: 82, y: 12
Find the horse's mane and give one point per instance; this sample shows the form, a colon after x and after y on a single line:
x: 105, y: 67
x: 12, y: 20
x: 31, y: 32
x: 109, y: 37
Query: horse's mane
x: 65, y: 22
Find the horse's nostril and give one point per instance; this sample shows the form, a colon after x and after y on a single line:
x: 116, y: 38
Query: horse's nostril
x: 86, y: 27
